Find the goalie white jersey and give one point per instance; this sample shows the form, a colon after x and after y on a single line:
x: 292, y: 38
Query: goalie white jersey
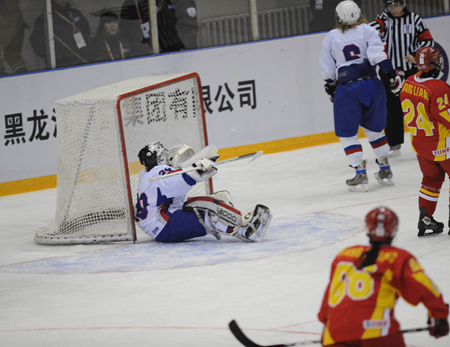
x: 157, y: 200
x: 356, y: 46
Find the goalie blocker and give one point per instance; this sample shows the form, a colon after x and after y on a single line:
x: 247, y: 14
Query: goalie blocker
x: 221, y: 218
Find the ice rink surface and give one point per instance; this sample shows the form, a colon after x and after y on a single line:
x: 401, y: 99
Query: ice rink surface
x: 149, y: 294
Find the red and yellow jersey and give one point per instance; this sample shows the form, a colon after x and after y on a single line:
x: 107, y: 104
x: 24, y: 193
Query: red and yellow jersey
x: 426, y: 111
x: 359, y: 304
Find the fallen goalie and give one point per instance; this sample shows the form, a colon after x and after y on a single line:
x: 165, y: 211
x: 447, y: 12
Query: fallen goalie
x: 164, y: 212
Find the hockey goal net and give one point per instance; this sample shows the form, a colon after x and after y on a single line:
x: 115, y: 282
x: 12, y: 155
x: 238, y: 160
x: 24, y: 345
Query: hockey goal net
x: 100, y: 133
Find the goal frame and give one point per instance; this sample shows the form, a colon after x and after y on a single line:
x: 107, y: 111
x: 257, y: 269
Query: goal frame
x: 122, y: 134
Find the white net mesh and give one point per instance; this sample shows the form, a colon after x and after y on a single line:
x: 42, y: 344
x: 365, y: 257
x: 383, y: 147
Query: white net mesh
x: 92, y: 196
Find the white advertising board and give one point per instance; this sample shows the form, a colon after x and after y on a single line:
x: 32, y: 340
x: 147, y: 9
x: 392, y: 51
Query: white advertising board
x: 255, y: 92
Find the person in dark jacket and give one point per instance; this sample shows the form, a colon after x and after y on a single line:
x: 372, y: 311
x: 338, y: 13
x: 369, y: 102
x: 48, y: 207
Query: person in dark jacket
x: 323, y: 13
x: 71, y: 32
x: 110, y: 43
x: 136, y: 21
x: 187, y: 24
x: 12, y: 29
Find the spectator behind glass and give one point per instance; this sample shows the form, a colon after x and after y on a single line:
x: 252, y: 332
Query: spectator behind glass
x: 12, y: 27
x: 323, y: 14
x: 187, y: 25
x: 110, y: 43
x: 71, y: 32
x: 135, y: 20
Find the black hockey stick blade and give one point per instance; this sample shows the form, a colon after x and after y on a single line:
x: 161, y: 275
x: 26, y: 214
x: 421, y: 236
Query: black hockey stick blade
x: 242, y: 338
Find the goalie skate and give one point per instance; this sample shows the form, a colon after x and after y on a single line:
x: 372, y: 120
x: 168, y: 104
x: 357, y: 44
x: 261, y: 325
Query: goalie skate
x: 259, y: 220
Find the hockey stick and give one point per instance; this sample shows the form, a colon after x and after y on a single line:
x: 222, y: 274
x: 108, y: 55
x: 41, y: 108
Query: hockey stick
x: 242, y: 338
x: 253, y: 156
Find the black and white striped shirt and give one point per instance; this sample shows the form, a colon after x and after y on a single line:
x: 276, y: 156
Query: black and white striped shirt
x: 403, y: 35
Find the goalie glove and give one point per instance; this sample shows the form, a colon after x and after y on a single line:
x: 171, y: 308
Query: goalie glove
x: 330, y: 89
x: 395, y: 80
x: 205, y: 169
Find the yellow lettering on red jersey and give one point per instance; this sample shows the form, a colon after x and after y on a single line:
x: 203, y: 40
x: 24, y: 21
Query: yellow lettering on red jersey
x: 405, y: 88
x: 387, y: 256
x: 353, y: 252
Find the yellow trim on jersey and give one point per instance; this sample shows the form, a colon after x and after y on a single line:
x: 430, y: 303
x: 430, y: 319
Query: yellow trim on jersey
x: 425, y: 280
x: 385, y: 300
x: 326, y: 337
x: 444, y: 133
x: 445, y: 115
x: 420, y: 277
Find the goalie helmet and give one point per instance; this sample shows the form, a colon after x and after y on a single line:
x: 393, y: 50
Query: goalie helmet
x: 152, y: 155
x: 347, y: 12
x: 382, y: 225
x: 429, y: 59
x: 178, y: 154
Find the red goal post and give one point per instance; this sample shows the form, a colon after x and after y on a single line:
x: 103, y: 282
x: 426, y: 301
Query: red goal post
x: 100, y: 133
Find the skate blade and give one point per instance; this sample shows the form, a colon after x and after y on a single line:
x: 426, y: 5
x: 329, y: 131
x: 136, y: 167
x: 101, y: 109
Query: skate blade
x: 360, y: 188
x: 394, y: 153
x: 385, y: 181
x: 435, y: 232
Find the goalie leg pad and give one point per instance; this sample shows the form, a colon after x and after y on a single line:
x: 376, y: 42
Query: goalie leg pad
x: 223, y: 195
x: 226, y: 213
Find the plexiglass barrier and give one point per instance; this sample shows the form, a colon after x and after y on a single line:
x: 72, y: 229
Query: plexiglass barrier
x: 44, y: 34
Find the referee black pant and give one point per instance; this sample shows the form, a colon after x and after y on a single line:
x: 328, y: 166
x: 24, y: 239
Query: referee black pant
x: 395, y: 129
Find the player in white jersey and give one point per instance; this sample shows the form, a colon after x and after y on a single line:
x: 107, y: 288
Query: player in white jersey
x: 164, y: 212
x: 348, y: 60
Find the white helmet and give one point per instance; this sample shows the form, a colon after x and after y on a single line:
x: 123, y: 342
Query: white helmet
x: 347, y: 12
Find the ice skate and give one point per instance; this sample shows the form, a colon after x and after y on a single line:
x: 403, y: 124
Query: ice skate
x: 359, y: 182
x: 384, y: 176
x: 395, y: 151
x: 258, y: 225
x: 428, y: 223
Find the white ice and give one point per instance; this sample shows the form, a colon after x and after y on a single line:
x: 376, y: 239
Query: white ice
x: 148, y: 294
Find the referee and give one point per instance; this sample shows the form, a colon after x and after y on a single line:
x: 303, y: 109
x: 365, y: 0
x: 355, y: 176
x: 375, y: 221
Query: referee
x: 404, y: 33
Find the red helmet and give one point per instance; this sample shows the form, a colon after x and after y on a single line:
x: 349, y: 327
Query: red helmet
x: 428, y: 58
x: 382, y: 225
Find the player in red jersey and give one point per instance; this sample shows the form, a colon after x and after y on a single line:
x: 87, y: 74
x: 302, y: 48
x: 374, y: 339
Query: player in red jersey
x: 426, y: 110
x: 365, y: 283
